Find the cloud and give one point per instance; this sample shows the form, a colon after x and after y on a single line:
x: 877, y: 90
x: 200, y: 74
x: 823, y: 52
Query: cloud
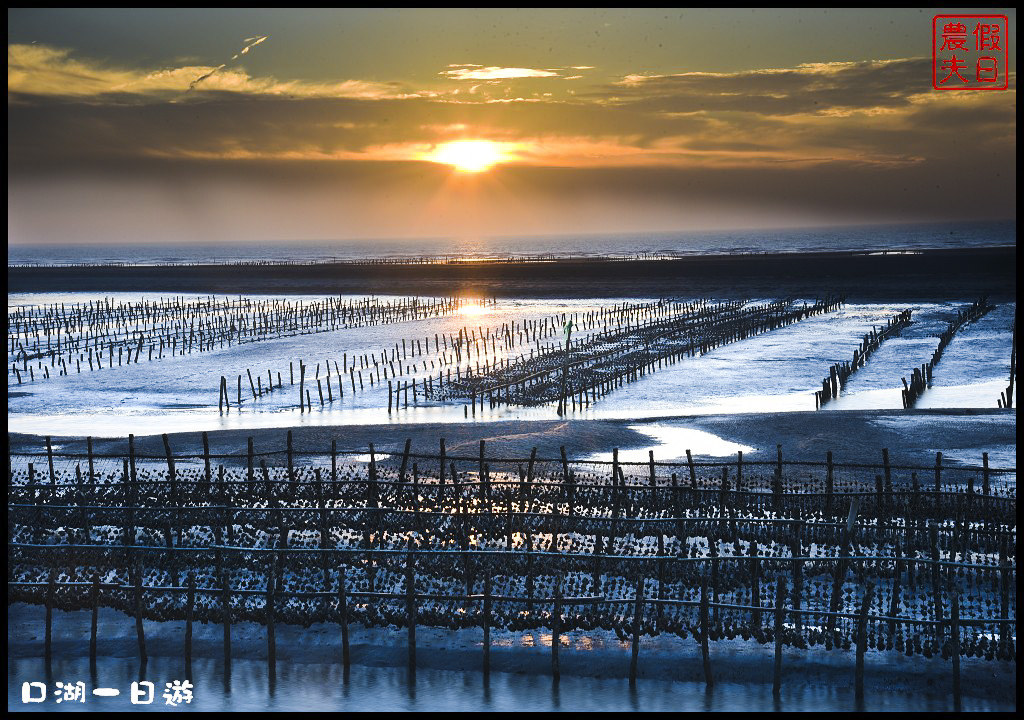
x: 232, y: 127
x: 40, y: 71
x: 811, y: 87
x: 826, y: 135
x: 478, y: 72
x: 48, y: 71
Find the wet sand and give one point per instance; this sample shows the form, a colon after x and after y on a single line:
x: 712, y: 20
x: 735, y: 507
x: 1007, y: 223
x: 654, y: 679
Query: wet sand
x: 926, y: 274
x: 853, y: 436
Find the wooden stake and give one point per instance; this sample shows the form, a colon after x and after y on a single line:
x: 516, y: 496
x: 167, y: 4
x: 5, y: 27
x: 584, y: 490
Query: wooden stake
x: 705, y: 630
x: 94, y: 601
x: 405, y: 460
x: 487, y: 625
x: 189, y: 610
x: 862, y: 641
x: 780, y: 614
x: 51, y: 593
x: 638, y: 613
x: 955, y: 650
x: 343, y: 615
x: 140, y: 633
x: 410, y: 605
x: 271, y: 638
x: 225, y: 603
x: 556, y: 628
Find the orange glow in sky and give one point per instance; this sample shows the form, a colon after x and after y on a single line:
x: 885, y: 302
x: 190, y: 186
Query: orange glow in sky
x: 347, y: 125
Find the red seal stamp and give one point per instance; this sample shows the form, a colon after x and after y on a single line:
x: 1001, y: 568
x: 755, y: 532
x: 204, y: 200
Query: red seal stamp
x: 970, y: 52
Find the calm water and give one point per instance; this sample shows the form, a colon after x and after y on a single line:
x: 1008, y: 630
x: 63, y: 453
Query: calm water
x: 871, y: 238
x: 325, y: 688
x: 773, y: 372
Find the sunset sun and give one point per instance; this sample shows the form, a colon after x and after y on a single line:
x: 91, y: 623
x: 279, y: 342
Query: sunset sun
x: 469, y: 156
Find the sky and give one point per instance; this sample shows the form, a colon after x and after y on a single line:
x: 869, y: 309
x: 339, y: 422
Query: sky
x: 234, y: 125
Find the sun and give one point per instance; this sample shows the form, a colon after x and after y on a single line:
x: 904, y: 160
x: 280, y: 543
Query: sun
x: 469, y: 156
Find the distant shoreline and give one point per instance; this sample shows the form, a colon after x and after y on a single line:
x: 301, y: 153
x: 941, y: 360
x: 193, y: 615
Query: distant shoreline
x: 934, y: 273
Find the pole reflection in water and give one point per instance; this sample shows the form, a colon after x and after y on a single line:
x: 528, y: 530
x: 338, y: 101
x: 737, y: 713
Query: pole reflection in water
x: 318, y: 687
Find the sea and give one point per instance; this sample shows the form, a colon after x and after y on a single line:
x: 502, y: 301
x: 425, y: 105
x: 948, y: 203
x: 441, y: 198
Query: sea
x: 905, y: 237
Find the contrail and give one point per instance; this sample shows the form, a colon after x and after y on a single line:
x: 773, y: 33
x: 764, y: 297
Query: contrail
x: 199, y: 79
x: 250, y: 43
